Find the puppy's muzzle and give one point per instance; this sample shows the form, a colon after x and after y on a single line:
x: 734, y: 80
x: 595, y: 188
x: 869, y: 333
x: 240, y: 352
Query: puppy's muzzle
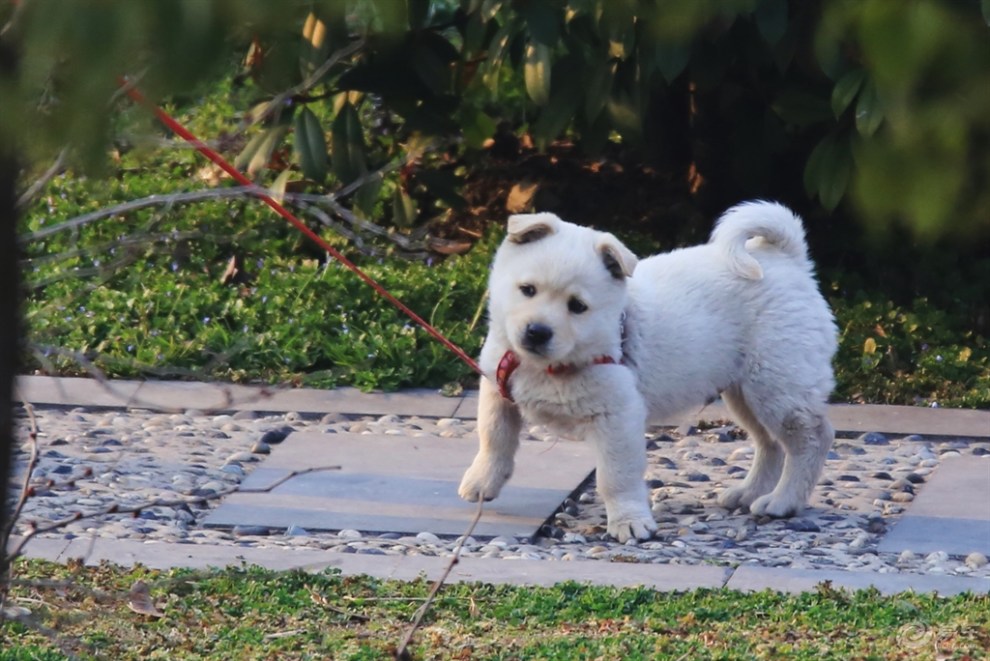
x: 536, y: 337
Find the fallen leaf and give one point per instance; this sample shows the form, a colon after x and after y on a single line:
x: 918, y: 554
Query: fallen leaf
x: 446, y: 247
x: 139, y: 600
x: 521, y: 197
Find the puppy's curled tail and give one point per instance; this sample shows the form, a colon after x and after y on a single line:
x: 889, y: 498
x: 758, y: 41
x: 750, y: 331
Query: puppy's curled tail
x: 773, y: 223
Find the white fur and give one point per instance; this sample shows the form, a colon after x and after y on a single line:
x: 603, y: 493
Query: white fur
x: 740, y: 316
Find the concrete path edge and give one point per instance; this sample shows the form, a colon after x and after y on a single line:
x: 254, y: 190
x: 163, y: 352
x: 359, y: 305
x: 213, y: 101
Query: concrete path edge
x: 183, y: 395
x: 665, y: 578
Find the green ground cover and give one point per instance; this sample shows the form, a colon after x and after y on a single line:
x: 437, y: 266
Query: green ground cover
x: 140, y: 295
x: 250, y: 613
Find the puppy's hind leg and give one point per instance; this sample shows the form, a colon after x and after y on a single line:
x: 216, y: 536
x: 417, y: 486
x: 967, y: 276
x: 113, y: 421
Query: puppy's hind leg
x: 499, y: 423
x: 807, y: 436
x: 768, y: 460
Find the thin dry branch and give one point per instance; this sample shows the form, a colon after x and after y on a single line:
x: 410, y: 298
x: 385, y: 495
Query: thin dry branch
x: 22, y: 499
x: 312, y: 80
x: 143, y: 203
x: 157, y: 502
x: 402, y: 652
x: 32, y: 191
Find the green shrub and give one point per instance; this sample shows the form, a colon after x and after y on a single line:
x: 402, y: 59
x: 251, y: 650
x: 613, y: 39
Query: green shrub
x: 915, y: 354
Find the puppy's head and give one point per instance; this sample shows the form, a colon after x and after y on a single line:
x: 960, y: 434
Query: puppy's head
x: 558, y: 290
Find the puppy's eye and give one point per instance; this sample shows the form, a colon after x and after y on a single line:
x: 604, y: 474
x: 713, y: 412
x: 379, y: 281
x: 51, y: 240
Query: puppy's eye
x: 576, y: 305
x: 529, y: 291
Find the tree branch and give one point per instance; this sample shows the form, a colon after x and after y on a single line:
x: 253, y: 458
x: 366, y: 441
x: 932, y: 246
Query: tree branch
x: 402, y: 652
x: 32, y: 192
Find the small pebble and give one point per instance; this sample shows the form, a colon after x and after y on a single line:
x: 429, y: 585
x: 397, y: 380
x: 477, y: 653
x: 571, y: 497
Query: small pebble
x: 250, y: 531
x: 976, y: 560
x: 801, y: 525
x: 874, y: 438
x: 273, y: 436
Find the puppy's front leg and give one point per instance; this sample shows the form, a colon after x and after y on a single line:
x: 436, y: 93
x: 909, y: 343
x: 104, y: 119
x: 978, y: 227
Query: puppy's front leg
x: 499, y: 423
x: 621, y: 448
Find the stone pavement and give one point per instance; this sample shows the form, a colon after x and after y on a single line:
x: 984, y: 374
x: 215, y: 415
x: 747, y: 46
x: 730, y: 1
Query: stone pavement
x: 955, y: 503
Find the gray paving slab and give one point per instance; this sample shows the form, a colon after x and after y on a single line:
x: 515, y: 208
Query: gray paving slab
x: 179, y: 395
x: 951, y: 512
x: 41, y: 548
x: 400, y: 484
x: 752, y: 579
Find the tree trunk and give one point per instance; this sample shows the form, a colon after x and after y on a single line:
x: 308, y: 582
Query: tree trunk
x: 10, y: 320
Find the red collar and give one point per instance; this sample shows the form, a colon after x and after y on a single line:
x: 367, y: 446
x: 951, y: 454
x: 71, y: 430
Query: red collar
x: 510, y: 361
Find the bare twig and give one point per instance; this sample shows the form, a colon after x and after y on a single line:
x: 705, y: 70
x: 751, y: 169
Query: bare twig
x: 311, y: 81
x: 32, y: 192
x: 402, y: 652
x: 143, y: 203
x: 157, y: 502
x: 302, y: 200
x: 285, y: 478
x: 26, y: 486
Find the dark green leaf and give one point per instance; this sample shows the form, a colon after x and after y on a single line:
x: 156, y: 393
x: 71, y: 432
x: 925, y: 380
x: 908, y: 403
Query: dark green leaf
x: 419, y: 13
x: 278, y: 187
x: 624, y: 111
x: 347, y: 143
x: 846, y: 89
x: 431, y: 68
x: 985, y: 6
x: 802, y: 106
x: 311, y: 145
x: 260, y: 159
x: 403, y: 209
x: 599, y: 87
x: 869, y: 111
x: 543, y: 21
x: 366, y: 197
x: 536, y: 71
x: 828, y: 171
x: 476, y: 127
x: 771, y: 20
x: 474, y: 33
x: 565, y: 94
x: 671, y: 60
x: 489, y: 8
x: 497, y: 51
x: 250, y: 149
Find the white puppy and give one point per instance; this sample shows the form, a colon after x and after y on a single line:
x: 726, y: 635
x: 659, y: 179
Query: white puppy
x: 591, y: 343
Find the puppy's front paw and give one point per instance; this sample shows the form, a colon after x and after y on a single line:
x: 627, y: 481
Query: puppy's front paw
x: 776, y: 505
x: 485, y: 478
x: 640, y: 525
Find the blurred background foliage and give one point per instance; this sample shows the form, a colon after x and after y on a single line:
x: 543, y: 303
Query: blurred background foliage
x: 431, y: 117
x: 882, y: 103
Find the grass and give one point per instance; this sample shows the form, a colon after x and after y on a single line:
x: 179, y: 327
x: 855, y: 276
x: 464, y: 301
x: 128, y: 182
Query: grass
x: 249, y: 613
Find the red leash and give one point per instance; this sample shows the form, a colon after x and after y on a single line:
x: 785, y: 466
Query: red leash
x: 259, y: 192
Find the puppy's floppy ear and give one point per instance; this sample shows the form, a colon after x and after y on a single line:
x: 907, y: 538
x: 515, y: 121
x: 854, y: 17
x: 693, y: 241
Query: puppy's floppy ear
x: 529, y: 227
x: 618, y: 259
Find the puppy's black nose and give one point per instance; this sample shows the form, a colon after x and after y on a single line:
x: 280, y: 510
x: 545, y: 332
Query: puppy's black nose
x: 536, y: 336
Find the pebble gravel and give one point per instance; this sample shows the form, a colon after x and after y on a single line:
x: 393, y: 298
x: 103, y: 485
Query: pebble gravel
x: 89, y: 460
